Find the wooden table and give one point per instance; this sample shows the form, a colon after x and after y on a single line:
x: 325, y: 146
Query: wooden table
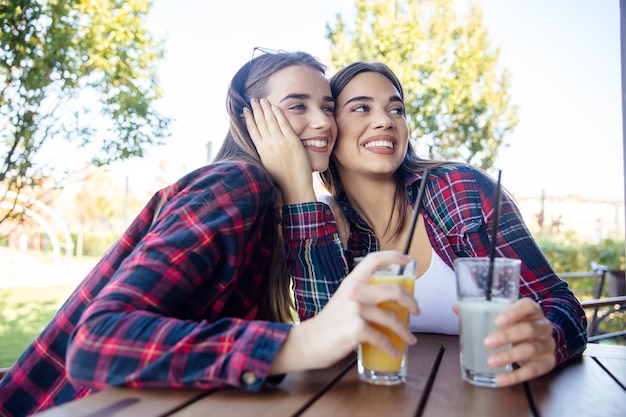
x: 595, y: 385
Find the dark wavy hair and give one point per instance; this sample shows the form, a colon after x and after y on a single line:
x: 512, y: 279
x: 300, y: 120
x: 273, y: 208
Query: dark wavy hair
x: 411, y: 163
x: 275, y: 301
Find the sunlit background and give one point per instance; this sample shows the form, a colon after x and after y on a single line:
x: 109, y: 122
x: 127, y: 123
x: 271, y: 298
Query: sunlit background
x: 563, y: 54
x: 564, y: 156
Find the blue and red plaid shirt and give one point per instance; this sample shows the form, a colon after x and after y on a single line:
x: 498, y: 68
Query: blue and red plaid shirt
x: 172, y: 304
x: 458, y: 209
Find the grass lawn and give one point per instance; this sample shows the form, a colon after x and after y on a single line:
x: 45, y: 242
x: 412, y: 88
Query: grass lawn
x: 24, y: 312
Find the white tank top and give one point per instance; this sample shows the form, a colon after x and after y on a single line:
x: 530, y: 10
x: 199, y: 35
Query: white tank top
x: 435, y: 292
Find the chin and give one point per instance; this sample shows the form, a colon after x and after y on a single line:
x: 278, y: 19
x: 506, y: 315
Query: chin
x: 318, y: 165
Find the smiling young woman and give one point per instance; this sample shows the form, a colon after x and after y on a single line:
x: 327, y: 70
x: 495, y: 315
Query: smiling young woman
x: 373, y: 176
x: 196, y: 293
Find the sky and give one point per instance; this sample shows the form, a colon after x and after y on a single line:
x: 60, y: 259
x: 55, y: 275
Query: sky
x: 564, y: 56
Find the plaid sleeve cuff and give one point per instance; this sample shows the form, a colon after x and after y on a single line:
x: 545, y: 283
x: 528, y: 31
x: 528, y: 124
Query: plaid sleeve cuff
x: 307, y: 221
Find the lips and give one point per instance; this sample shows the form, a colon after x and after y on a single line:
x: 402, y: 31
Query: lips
x: 380, y: 143
x: 316, y: 144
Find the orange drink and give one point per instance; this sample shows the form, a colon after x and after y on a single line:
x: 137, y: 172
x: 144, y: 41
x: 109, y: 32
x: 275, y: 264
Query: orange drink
x: 374, y: 358
x: 374, y: 365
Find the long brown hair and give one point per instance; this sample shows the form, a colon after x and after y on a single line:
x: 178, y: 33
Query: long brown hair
x: 275, y: 301
x: 411, y: 164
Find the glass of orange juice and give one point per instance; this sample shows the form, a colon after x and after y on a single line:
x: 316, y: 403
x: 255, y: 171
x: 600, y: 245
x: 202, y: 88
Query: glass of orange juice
x: 375, y: 366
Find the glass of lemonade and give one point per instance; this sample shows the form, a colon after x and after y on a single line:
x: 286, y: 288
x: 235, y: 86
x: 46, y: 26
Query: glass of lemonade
x: 478, y: 311
x: 375, y: 366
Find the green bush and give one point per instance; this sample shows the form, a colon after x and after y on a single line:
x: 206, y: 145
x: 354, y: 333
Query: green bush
x: 575, y: 256
x: 608, y: 253
x: 572, y: 255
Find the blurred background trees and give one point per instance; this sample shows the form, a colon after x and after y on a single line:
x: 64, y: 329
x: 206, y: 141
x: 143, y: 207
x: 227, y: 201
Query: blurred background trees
x: 458, y: 97
x: 458, y: 100
x: 78, y: 80
x: 79, y: 89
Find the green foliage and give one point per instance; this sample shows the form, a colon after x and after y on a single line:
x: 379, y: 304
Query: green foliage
x: 608, y: 253
x: 565, y: 258
x: 577, y: 256
x: 82, y: 71
x: 458, y: 104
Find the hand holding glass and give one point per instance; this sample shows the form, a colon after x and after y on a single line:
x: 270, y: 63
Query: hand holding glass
x: 375, y: 366
x: 481, y: 299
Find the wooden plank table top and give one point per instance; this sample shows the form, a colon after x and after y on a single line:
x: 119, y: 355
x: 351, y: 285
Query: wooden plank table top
x: 126, y: 402
x: 593, y: 385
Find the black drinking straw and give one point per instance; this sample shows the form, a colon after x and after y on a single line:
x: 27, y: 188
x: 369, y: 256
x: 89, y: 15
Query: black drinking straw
x: 416, y: 209
x: 494, y: 234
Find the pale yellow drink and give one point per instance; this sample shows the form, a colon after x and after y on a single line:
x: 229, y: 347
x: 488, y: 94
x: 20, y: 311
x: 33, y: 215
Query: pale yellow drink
x: 374, y: 358
x: 478, y: 309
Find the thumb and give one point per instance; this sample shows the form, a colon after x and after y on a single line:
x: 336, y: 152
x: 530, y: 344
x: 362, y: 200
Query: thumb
x: 366, y: 267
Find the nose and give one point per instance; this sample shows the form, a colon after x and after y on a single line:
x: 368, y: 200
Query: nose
x: 382, y: 120
x: 321, y: 119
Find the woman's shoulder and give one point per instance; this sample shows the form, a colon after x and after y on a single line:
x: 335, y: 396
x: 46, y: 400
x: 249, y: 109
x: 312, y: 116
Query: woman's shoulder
x: 458, y: 168
x: 235, y: 171
x: 240, y: 166
x: 457, y: 191
x: 459, y: 175
x: 233, y: 177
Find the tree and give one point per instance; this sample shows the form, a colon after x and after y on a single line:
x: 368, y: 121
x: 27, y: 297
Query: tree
x: 458, y: 104
x: 81, y: 72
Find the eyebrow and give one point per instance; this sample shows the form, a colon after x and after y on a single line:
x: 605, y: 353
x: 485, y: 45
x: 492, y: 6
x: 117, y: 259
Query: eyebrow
x: 392, y: 99
x: 305, y: 97
x: 358, y: 98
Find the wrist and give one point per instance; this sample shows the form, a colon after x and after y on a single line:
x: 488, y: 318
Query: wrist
x: 295, y: 353
x: 296, y: 195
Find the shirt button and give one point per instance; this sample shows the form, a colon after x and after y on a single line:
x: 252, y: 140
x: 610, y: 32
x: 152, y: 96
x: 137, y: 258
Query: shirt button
x: 326, y: 211
x: 248, y: 378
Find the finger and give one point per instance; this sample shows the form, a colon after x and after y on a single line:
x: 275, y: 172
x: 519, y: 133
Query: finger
x: 280, y: 128
x: 253, y: 131
x: 381, y: 318
x: 374, y: 294
x: 365, y: 294
x: 283, y: 123
x: 522, y: 310
x: 536, y: 368
x: 381, y: 341
x: 523, y: 353
x: 539, y: 329
x: 260, y: 117
x: 269, y: 118
x: 366, y: 267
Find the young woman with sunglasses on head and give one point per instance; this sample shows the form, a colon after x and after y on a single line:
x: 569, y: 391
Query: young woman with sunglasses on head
x: 373, y: 177
x: 196, y: 292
